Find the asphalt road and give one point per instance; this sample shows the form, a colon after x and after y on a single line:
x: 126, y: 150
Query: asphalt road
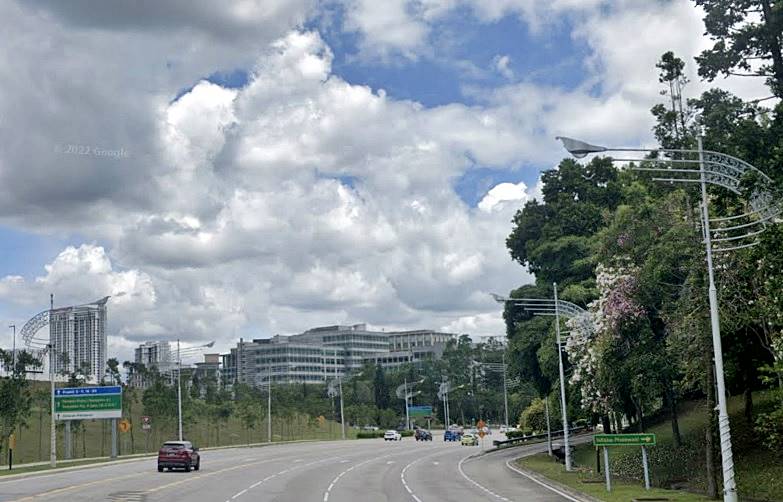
x: 355, y: 471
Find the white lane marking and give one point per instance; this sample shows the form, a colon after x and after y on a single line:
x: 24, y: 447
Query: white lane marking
x: 477, y: 484
x: 405, y: 469
x: 335, y: 480
x: 389, y: 462
x: 435, y: 463
x: 550, y: 488
x: 272, y: 476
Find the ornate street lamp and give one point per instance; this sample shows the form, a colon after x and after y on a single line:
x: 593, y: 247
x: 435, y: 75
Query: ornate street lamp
x: 729, y: 233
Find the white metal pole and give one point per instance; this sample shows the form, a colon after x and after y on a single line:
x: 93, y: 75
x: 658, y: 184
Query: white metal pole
x: 548, y: 427
x: 407, y: 418
x: 729, y: 484
x: 342, y: 417
x: 646, y: 469
x: 505, y: 389
x: 179, y: 391
x: 53, y: 430
x: 562, y: 382
x: 606, y: 470
x: 53, y: 427
x: 269, y: 405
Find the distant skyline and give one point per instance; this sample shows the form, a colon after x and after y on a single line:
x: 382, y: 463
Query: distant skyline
x: 227, y: 173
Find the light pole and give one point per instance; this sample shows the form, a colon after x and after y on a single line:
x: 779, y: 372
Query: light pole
x: 187, y: 351
x: 554, y: 307
x: 731, y: 233
x: 499, y: 368
x: 402, y: 392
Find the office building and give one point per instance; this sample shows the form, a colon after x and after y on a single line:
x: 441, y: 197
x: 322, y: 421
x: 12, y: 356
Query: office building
x: 155, y: 355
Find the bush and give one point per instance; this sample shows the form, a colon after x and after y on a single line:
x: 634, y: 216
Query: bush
x: 405, y: 434
x: 534, y: 416
x: 770, y: 427
x: 518, y: 433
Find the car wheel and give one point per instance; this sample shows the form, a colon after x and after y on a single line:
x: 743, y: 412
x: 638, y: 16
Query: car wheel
x: 187, y: 467
x: 160, y: 468
x: 198, y: 465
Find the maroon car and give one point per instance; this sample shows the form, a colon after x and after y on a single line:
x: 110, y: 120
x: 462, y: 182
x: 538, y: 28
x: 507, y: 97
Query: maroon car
x: 179, y: 455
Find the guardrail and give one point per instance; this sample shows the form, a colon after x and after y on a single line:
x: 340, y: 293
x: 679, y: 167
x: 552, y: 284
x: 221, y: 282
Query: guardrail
x: 534, y: 437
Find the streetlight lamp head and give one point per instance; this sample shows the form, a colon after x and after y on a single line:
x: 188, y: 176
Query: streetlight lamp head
x: 579, y: 149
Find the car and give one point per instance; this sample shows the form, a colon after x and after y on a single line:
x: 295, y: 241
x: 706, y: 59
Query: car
x: 392, y: 435
x: 369, y: 428
x: 423, y: 435
x: 178, y: 455
x: 451, y: 436
x: 469, y: 440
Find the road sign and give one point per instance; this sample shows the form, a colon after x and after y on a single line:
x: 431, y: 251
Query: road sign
x: 124, y: 425
x: 420, y: 411
x: 480, y: 426
x: 86, y: 403
x: 624, y: 440
x: 145, y: 423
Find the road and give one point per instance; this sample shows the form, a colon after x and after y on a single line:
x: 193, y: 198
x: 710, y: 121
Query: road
x: 358, y: 470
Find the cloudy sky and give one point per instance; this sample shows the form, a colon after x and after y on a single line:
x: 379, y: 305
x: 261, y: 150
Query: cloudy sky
x: 275, y: 165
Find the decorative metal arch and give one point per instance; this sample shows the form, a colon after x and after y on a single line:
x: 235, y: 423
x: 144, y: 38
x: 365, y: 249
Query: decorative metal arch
x: 30, y: 331
x: 547, y: 306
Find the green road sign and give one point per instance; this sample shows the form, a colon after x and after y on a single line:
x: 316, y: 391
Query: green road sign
x: 420, y: 411
x: 624, y: 439
x: 85, y: 403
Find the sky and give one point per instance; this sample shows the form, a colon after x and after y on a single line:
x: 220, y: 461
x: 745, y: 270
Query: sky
x: 249, y: 168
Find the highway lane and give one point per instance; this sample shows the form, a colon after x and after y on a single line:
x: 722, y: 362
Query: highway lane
x: 359, y: 470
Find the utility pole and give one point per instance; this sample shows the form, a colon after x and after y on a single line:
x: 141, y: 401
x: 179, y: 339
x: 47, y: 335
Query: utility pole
x: 407, y: 417
x: 562, y: 382
x: 548, y: 426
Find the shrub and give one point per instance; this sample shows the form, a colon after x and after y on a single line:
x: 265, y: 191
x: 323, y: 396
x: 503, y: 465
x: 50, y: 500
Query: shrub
x: 369, y: 434
x: 770, y: 427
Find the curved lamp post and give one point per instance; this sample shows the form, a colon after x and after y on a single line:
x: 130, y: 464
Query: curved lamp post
x: 554, y: 307
x: 720, y: 235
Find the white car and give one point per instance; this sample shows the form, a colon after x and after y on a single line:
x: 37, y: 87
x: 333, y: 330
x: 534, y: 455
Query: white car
x: 392, y: 436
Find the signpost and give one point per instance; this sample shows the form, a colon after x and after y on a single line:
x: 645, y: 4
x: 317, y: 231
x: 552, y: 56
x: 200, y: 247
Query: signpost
x: 87, y: 403
x: 145, y: 423
x: 608, y: 440
x: 125, y: 425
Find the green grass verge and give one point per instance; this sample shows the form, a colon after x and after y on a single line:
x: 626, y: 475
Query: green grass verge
x: 622, y: 491
x: 759, y: 472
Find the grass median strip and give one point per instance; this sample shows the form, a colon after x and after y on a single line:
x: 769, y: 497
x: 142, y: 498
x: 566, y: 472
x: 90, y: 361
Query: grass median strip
x: 584, y: 482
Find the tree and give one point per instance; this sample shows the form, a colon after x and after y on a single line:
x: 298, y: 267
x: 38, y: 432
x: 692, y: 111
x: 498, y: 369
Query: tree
x: 15, y: 396
x: 748, y: 41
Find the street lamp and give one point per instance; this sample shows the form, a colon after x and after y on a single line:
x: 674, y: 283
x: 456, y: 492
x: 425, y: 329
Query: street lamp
x: 554, y: 307
x: 13, y: 350
x: 499, y: 368
x: 186, y: 352
x: 333, y: 391
x: 731, y: 233
x: 402, y: 392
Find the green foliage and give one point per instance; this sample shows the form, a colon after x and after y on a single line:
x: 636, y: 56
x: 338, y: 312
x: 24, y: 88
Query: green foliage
x: 746, y: 35
x: 770, y: 427
x: 534, y: 416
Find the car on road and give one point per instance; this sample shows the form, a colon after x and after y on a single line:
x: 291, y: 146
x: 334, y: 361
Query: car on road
x: 392, y: 435
x: 469, y: 440
x: 178, y: 455
x: 423, y: 435
x: 451, y: 435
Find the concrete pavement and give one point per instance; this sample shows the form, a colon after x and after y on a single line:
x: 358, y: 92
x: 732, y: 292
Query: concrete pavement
x: 358, y: 470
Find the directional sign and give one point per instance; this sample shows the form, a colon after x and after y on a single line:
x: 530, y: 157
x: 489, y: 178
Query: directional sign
x: 624, y: 440
x: 86, y: 403
x: 145, y: 423
x: 480, y: 426
x: 420, y: 411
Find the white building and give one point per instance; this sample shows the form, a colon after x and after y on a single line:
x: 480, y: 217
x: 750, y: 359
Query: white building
x: 154, y: 354
x: 79, y: 338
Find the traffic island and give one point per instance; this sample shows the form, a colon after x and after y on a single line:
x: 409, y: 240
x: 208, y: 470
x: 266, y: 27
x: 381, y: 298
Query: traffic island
x: 584, y: 482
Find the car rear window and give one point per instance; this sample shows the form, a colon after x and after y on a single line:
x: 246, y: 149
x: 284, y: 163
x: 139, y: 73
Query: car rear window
x: 175, y: 446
